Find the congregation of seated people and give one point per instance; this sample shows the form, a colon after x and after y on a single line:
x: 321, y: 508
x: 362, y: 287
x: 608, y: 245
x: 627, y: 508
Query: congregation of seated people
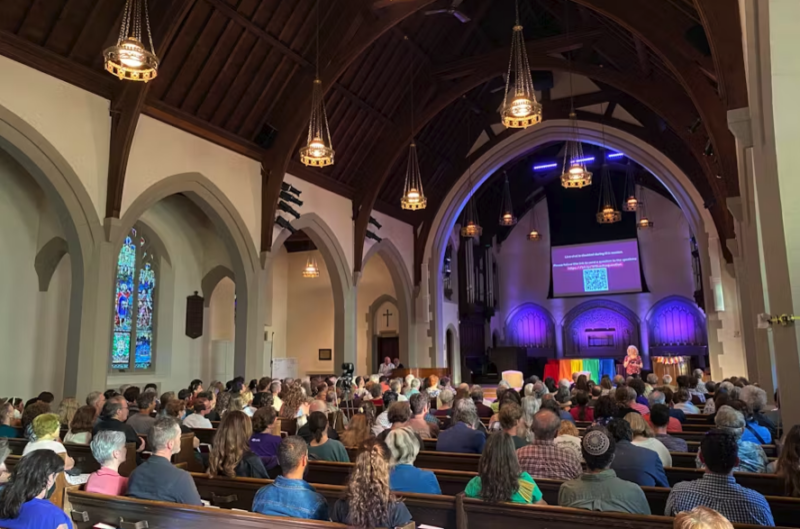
x: 603, y: 441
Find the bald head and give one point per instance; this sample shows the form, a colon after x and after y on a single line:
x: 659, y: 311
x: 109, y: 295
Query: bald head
x: 318, y: 405
x: 545, y: 425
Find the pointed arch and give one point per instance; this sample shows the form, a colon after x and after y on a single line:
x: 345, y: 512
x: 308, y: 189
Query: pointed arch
x: 212, y: 279
x: 47, y: 260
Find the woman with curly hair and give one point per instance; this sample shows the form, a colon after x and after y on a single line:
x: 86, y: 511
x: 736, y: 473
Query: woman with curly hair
x: 369, y: 502
x: 788, y: 465
x: 500, y: 478
x: 294, y: 405
x: 231, y: 455
x: 358, y: 430
x: 605, y: 409
x: 223, y: 401
x: 32, y: 411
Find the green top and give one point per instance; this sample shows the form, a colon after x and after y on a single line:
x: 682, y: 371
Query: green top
x: 605, y: 492
x: 528, y: 491
x: 332, y: 450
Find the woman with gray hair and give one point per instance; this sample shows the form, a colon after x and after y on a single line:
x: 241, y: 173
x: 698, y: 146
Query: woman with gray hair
x: 756, y: 398
x: 404, y: 445
x: 108, y: 448
x: 751, y: 456
x: 530, y: 407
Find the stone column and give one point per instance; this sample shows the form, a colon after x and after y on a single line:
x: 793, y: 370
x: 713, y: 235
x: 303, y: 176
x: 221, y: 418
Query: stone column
x: 773, y: 73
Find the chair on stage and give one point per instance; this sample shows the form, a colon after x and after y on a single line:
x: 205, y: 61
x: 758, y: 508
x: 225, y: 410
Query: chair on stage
x: 513, y: 379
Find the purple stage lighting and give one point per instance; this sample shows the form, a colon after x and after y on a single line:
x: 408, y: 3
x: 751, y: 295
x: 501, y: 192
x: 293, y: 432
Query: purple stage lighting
x: 545, y: 166
x: 616, y: 155
x: 584, y: 160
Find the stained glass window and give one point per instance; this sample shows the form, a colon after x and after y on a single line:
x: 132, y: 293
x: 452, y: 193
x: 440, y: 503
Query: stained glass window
x: 134, y: 305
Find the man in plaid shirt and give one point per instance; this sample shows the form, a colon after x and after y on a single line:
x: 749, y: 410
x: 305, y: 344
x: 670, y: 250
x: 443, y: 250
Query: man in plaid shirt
x: 718, y: 489
x: 543, y: 458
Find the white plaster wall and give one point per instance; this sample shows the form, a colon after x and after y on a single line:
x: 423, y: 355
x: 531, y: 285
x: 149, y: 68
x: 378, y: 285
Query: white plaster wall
x: 665, y: 253
x: 221, y: 311
x: 76, y: 122
x: 380, y: 319
x: 310, y: 314
x: 160, y: 151
x: 33, y: 324
x: 277, y: 329
x: 401, y: 235
x: 374, y: 283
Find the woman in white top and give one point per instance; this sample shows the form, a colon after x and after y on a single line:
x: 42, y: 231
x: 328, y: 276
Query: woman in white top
x: 643, y: 436
x: 80, y: 429
x: 46, y: 427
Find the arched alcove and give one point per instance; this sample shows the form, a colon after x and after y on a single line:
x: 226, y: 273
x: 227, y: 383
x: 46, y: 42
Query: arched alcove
x: 239, y: 245
x: 531, y: 326
x: 212, y: 279
x: 599, y: 328
x: 676, y: 181
x: 676, y: 326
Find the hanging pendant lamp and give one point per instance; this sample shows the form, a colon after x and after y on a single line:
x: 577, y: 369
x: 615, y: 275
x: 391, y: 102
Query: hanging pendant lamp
x: 507, y: 217
x: 413, y: 194
x: 318, y: 151
x: 520, y: 108
x: 631, y: 202
x: 607, y: 210
x: 129, y: 59
x: 311, y: 270
x: 575, y: 174
x: 534, y: 234
x: 644, y: 222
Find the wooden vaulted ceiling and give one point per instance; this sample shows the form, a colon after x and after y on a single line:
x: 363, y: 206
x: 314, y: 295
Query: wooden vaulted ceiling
x: 238, y: 72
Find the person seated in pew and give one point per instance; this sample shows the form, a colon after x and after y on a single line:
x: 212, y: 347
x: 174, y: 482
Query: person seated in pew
x: 476, y: 394
x: 752, y: 457
x: 788, y: 464
x: 199, y: 419
x: 404, y: 447
x: 358, y: 430
x: 683, y: 402
x: 6, y: 418
x: 32, y: 411
x: 605, y: 410
x: 230, y: 455
x: 463, y: 436
x: 626, y: 402
x: 756, y: 398
x: 420, y: 405
x: 543, y: 458
x: 290, y: 495
x: 382, y: 420
x: 47, y: 429
x: 157, y: 478
x: 581, y: 411
x: 511, y: 423
x: 321, y: 447
x: 445, y: 404
x: 294, y: 404
x: 263, y: 443
x: 369, y: 501
x: 718, y: 489
x: 113, y: 417
x: 753, y: 432
x: 634, y: 463
x: 599, y: 489
x: 669, y: 400
x: 660, y: 420
x: 500, y: 476
x: 80, y: 429
x: 643, y: 436
x: 24, y: 504
x: 569, y: 437
x: 657, y: 398
x: 510, y: 396
x: 549, y: 402
x: 305, y: 430
x: 142, y: 421
x: 701, y: 518
x: 108, y: 449
x: 211, y: 398
x: 5, y: 450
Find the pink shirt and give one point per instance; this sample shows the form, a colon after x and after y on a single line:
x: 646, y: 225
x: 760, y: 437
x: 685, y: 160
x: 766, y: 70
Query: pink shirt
x: 641, y: 408
x: 107, y: 481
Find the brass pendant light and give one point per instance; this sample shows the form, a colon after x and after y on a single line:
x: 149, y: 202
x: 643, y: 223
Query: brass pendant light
x: 507, y: 217
x: 470, y: 226
x: 607, y: 210
x: 631, y: 202
x: 318, y: 151
x: 644, y: 222
x: 413, y: 194
x: 129, y: 59
x: 311, y: 271
x: 575, y: 175
x: 534, y: 234
x: 520, y: 109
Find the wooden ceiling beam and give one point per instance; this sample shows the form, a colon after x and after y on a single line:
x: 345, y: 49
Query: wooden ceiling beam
x: 127, y: 104
x: 644, y: 60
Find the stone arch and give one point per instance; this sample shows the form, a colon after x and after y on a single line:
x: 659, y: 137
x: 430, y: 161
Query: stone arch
x: 244, y: 256
x: 531, y: 325
x: 65, y: 191
x: 613, y: 322
x: 403, y: 290
x: 676, y: 326
x: 47, y: 260
x: 344, y: 300
x: 673, y: 178
x: 212, y: 279
x: 372, y: 336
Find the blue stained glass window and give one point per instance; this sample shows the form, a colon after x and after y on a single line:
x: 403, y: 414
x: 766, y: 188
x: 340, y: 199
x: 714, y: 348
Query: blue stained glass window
x: 134, y: 306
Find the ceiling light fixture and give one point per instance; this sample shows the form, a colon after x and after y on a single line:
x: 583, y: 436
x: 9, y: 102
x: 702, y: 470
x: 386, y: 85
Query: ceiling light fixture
x: 607, y: 212
x: 311, y: 270
x: 520, y: 110
x: 318, y: 151
x: 413, y: 195
x: 507, y: 217
x: 631, y: 202
x: 129, y: 59
x: 644, y: 222
x: 534, y: 234
x: 575, y: 175
x: 470, y: 227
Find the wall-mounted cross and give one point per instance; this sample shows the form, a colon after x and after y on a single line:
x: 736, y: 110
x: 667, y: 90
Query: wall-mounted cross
x: 387, y: 316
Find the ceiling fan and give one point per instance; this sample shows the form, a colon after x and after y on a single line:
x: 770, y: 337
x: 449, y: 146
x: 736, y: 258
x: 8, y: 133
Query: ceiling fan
x: 452, y: 10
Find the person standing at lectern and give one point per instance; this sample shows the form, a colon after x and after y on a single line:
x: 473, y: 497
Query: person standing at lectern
x: 386, y: 367
x: 633, y: 362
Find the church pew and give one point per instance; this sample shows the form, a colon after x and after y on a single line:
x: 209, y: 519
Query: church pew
x: 206, y: 435
x: 82, y: 454
x: 433, y: 510
x: 238, y: 493
x: 128, y: 513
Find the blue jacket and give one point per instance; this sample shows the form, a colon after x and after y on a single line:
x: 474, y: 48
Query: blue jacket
x: 291, y: 497
x: 408, y: 478
x: 462, y: 439
x: 638, y: 465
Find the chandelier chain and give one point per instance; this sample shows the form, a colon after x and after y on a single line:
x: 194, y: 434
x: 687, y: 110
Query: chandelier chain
x: 123, y: 28
x: 316, y: 67
x: 149, y: 33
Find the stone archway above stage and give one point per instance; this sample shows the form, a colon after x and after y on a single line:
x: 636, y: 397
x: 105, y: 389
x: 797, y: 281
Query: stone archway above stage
x: 599, y: 328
